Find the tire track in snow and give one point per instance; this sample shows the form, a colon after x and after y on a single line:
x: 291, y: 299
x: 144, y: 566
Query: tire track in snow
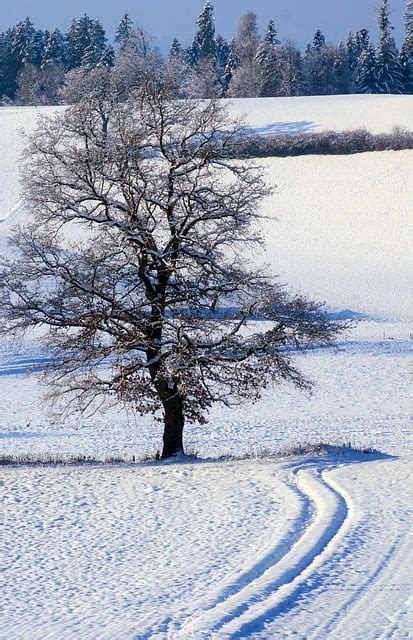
x: 267, y: 595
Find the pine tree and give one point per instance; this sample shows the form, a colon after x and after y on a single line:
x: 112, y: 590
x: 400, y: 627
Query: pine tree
x: 8, y: 67
x: 342, y: 80
x: 291, y: 69
x: 23, y: 35
x: 124, y: 31
x: 406, y: 52
x: 204, y: 45
x: 35, y: 48
x: 318, y: 64
x: 18, y: 49
x: 96, y: 51
x: 356, y: 45
x: 352, y: 56
x: 271, y: 34
x: 86, y: 43
x: 389, y: 72
x: 362, y: 41
x: 366, y: 72
x: 269, y: 63
x: 222, y: 53
x: 230, y: 67
x: 319, y: 40
x: 409, y: 24
x: 54, y: 48
x: 203, y: 81
x: 175, y: 50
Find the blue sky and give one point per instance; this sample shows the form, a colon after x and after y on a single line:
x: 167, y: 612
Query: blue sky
x: 163, y: 19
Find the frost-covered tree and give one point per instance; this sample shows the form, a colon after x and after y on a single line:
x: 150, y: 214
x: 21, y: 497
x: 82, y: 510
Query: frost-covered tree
x: 222, y: 55
x: 389, y: 72
x: 124, y: 31
x: 291, y: 69
x: 177, y: 70
x: 54, y: 48
x: 352, y: 56
x: 341, y: 80
x: 230, y: 67
x: 176, y: 51
x: 406, y: 52
x: 86, y: 43
x: 322, y: 63
x: 365, y: 79
x: 135, y: 62
x: 319, y: 40
x: 245, y: 81
x: 269, y: 63
x: 39, y: 85
x: 204, y: 45
x: 9, y: 67
x: 203, y: 81
x: 23, y: 35
x: 154, y: 304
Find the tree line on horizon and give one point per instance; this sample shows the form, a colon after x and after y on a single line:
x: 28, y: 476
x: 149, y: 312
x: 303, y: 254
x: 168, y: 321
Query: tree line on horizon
x: 48, y: 67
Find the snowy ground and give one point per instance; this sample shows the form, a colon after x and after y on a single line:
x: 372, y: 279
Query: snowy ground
x: 378, y: 114
x: 305, y: 547
x: 310, y: 548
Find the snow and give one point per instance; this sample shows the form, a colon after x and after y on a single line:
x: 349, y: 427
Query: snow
x: 376, y: 113
x: 307, y: 548
x: 302, y: 547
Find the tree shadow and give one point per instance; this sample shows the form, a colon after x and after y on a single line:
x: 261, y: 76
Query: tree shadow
x: 280, y: 128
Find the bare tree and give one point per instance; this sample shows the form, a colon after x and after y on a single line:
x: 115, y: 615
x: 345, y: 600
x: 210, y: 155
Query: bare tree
x: 155, y: 302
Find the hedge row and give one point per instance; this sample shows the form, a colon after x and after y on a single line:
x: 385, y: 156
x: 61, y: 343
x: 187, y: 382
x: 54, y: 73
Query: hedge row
x: 321, y: 143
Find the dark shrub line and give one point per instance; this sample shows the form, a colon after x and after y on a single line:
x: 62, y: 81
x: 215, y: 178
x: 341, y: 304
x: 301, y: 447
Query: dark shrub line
x: 321, y: 143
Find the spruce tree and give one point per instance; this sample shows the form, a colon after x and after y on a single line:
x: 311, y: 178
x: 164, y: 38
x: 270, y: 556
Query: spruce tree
x: 222, y: 53
x: 54, y: 48
x: 317, y: 66
x: 204, y: 45
x: 86, y: 43
x: 230, y: 67
x: 356, y: 45
x: 351, y: 52
x: 7, y: 70
x: 341, y: 76
x: 389, y: 72
x: 366, y: 72
x: 362, y: 41
x: 124, y: 31
x: 291, y: 69
x: 175, y: 50
x: 269, y: 63
x: 18, y: 49
x: 319, y: 40
x: 406, y: 52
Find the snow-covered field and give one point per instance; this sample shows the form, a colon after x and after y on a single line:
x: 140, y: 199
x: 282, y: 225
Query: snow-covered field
x: 378, y: 114
x: 300, y: 547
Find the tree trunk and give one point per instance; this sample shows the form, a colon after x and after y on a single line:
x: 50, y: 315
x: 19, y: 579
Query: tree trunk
x: 174, y: 426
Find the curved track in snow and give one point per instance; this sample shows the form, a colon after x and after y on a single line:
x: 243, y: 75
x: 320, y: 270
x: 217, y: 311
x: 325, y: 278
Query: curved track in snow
x: 265, y: 590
